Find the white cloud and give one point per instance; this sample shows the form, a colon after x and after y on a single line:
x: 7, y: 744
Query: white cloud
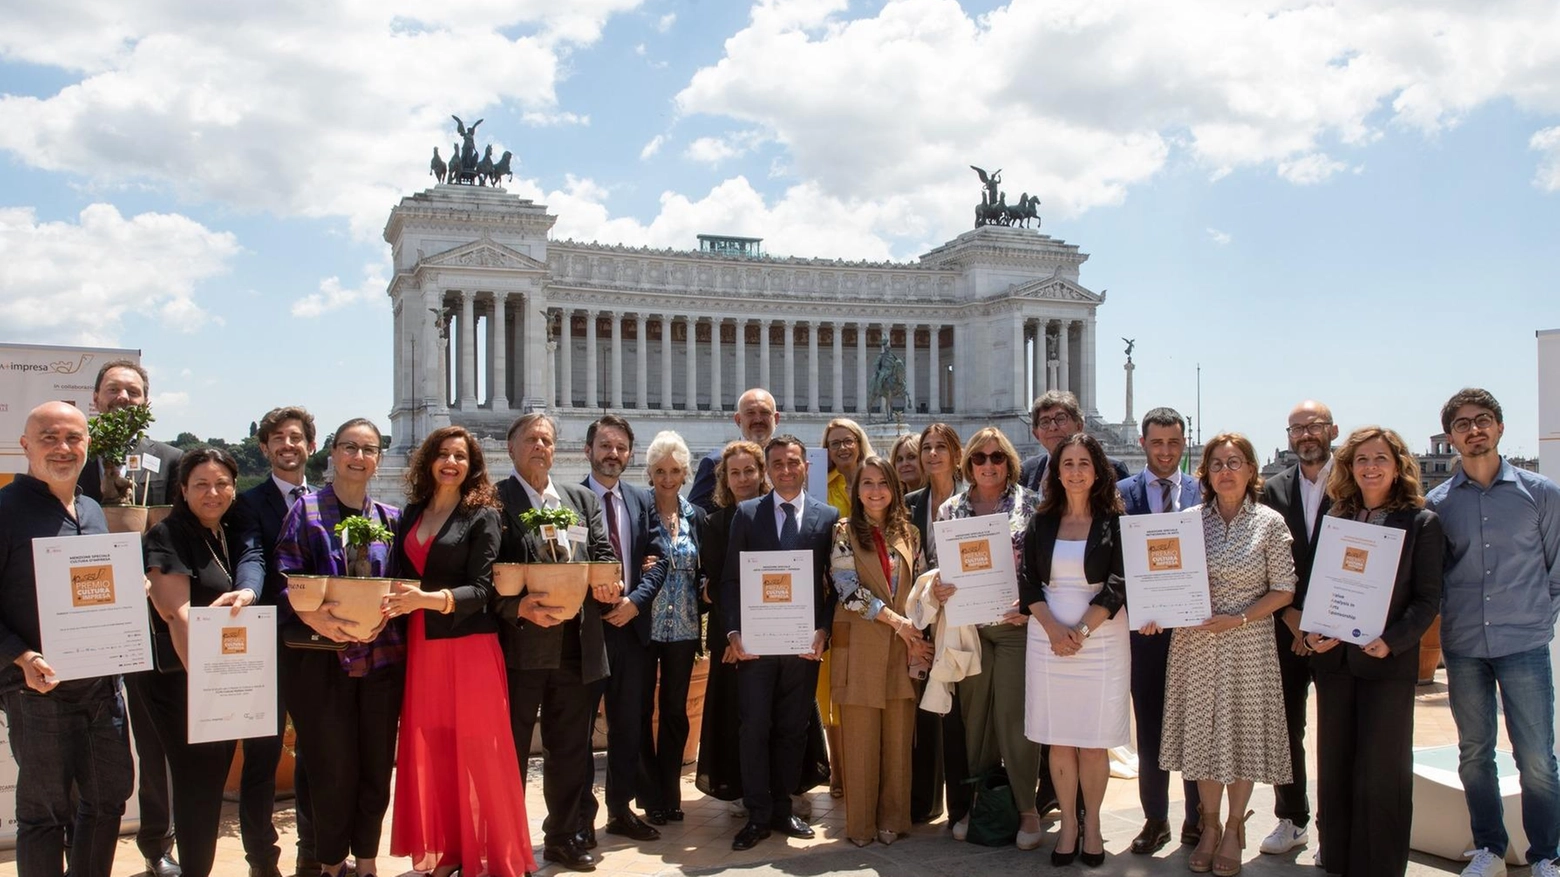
x: 665, y: 22
x: 652, y: 147
x: 544, y: 119
x: 640, y: 50
x: 1547, y: 142
x: 1310, y: 169
x: 333, y: 296
x: 170, y: 402
x: 76, y: 282
x: 714, y: 150
x: 1219, y: 237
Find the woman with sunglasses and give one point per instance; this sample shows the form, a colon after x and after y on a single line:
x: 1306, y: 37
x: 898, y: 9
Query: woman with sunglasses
x: 992, y: 701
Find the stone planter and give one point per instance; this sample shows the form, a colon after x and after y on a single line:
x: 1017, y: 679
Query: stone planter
x: 359, y: 599
x: 134, y: 518
x: 564, y: 584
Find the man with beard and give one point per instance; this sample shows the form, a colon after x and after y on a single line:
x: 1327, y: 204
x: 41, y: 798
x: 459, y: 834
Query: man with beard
x: 1299, y: 493
x: 756, y: 418
x: 1498, y: 611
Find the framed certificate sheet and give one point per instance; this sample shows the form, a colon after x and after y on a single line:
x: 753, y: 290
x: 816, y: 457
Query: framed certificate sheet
x: 1351, y: 580
x: 232, y: 664
x: 1166, y: 565
x: 975, y: 555
x: 777, y: 602
x: 92, y: 608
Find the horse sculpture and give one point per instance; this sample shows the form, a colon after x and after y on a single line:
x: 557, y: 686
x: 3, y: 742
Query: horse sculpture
x: 501, y: 169
x: 485, y: 166
x: 437, y: 166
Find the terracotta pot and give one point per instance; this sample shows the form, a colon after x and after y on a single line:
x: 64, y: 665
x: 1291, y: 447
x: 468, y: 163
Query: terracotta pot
x: 156, y: 514
x: 564, y: 584
x: 605, y: 572
x: 284, y: 769
x: 125, y: 518
x: 306, y: 593
x: 359, y: 600
x: 509, y: 578
x: 1430, y: 652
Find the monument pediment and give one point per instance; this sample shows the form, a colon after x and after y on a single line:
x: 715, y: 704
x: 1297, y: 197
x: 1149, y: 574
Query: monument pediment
x: 1055, y: 289
x: 482, y: 254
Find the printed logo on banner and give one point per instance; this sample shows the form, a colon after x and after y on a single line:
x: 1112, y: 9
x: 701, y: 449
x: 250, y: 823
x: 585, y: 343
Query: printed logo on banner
x: 777, y: 587
x: 91, y: 585
x: 975, y: 555
x: 1164, y: 555
x: 1354, y: 559
x: 235, y: 640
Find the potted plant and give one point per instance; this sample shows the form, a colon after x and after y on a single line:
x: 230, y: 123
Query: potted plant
x: 111, y: 435
x: 359, y: 593
x: 558, y: 575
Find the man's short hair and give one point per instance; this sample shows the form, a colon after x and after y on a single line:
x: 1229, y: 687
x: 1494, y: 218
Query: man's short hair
x: 1054, y: 399
x: 1469, y: 396
x: 524, y: 422
x: 782, y: 440
x: 146, y: 381
x: 610, y: 420
x: 1163, y: 416
x: 274, y: 419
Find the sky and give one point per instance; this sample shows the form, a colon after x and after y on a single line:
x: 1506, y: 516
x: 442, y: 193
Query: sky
x: 1358, y: 203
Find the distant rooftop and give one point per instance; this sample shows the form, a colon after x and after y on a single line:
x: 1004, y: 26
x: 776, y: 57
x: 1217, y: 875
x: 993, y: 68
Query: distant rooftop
x: 730, y: 245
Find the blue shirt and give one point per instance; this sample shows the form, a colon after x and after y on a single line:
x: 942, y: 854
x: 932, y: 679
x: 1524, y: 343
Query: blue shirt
x: 1502, y: 590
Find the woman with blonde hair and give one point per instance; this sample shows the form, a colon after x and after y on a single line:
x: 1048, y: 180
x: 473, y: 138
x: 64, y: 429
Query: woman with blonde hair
x: 906, y: 457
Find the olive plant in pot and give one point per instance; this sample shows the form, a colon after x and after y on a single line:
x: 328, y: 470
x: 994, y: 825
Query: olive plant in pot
x: 112, y: 434
x: 358, y: 594
x: 557, y: 575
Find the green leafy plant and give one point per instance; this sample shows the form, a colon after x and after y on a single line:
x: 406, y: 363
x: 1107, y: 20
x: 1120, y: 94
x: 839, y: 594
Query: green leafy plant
x: 357, y: 533
x: 561, y: 518
x: 112, y: 434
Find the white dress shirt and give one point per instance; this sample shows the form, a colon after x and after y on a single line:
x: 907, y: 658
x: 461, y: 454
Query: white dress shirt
x: 798, y: 502
x: 1154, y: 491
x: 1311, y: 493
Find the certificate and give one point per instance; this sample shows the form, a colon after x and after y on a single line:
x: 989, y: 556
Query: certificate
x: 1351, y: 580
x: 777, y: 602
x: 92, y: 609
x: 232, y: 670
x: 976, y: 556
x: 1166, y: 566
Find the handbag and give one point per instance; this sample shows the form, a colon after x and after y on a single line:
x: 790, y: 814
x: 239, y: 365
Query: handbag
x: 993, y: 812
x: 297, y: 635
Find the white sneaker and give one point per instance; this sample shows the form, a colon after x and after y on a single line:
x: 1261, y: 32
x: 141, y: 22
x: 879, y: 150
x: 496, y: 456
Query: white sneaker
x: 1284, y: 837
x: 1485, y: 864
x: 1546, y: 868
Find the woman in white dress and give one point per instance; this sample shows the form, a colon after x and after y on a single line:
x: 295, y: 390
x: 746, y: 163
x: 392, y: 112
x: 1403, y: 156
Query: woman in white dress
x: 1078, y: 658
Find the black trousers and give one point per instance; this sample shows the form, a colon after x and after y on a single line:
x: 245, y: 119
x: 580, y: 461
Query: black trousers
x: 199, y: 771
x: 346, y: 728
x: 776, y: 695
x: 628, y: 698
x: 1150, y: 657
x: 1365, y: 762
x: 661, y: 750
x: 566, y: 707
x: 926, y: 767
x: 153, y: 794
x: 1291, y: 800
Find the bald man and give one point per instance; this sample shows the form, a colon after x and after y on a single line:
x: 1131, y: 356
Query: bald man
x: 756, y: 418
x: 63, y: 734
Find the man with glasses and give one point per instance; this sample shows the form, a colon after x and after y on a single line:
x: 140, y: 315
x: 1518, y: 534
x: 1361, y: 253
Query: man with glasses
x: 1498, y: 611
x: 1055, y: 416
x: 1299, y: 493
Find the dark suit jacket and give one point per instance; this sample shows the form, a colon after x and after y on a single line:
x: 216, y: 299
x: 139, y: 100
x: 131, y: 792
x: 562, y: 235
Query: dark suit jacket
x: 460, y: 559
x: 1034, y: 468
x: 1134, y: 492
x: 160, y: 484
x: 644, y: 532
x: 702, y: 493
x: 1282, y: 494
x: 531, y: 647
x: 1416, y: 598
x: 1101, y: 561
x: 753, y: 529
x: 712, y: 558
x: 262, y: 509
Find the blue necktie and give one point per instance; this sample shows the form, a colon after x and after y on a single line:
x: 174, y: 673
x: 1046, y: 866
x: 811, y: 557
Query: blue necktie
x: 788, y: 531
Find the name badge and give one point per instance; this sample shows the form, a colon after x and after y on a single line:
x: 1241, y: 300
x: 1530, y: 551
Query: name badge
x: 151, y: 463
x: 578, y: 533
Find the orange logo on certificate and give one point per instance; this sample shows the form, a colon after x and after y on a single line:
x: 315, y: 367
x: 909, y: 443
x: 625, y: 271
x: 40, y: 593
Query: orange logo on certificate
x: 1164, y: 555
x: 777, y: 587
x: 91, y: 585
x: 1354, y: 560
x: 975, y: 555
x: 235, y: 640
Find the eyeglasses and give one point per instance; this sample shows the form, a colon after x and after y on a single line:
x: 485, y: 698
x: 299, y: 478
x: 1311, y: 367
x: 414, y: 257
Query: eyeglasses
x: 996, y: 458
x: 840, y: 444
x: 1234, y: 465
x: 1315, y: 427
x: 353, y: 450
x: 1464, y: 424
x: 1055, y: 422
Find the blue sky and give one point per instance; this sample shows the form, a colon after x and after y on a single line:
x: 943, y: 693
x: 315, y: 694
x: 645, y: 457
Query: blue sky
x: 1357, y: 204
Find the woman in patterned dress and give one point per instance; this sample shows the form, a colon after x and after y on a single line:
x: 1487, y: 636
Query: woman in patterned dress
x: 1224, y: 710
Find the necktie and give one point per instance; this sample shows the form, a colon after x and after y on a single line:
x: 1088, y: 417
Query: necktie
x: 612, y: 524
x: 1164, y: 495
x: 788, y: 530
x: 294, y: 495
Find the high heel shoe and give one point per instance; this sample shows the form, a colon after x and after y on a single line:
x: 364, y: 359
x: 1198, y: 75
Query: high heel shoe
x: 1060, y: 859
x: 1225, y: 867
x: 1200, y: 862
x: 1092, y: 860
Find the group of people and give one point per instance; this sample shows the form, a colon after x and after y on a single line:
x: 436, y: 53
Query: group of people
x: 902, y: 714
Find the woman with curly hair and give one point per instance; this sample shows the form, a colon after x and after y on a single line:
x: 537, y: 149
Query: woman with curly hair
x: 459, y: 801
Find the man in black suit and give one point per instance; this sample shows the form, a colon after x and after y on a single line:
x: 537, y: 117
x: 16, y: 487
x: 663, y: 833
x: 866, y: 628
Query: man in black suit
x: 286, y: 437
x: 552, y: 664
x: 756, y: 419
x: 1299, y: 493
x: 122, y: 383
x: 1054, y: 416
x: 776, y: 692
x: 627, y: 511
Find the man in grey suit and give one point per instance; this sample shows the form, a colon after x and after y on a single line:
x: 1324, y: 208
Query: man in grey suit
x: 1161, y: 487
x: 776, y: 692
x: 122, y: 383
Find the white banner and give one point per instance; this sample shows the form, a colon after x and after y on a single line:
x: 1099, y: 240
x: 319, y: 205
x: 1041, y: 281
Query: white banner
x: 32, y: 374
x: 1549, y: 445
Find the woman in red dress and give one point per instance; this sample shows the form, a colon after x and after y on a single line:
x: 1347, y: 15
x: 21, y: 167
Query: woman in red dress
x: 459, y: 802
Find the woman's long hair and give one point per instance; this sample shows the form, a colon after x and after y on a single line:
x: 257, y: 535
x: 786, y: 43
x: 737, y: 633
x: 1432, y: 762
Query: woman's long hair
x: 1405, y: 493
x: 896, y: 518
x: 724, y: 498
x: 477, y: 491
x: 1104, y: 498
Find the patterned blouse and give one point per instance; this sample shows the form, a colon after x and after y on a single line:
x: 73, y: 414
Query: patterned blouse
x: 674, y: 616
x: 1247, y: 557
x: 1019, y: 504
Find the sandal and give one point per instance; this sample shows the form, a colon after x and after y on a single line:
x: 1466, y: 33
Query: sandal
x: 1200, y: 861
x: 1226, y: 867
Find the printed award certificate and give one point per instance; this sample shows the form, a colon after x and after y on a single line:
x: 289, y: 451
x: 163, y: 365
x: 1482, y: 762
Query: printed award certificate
x: 1351, y: 580
x: 1166, y: 565
x: 232, y: 668
x: 975, y: 555
x: 777, y: 602
x: 92, y: 608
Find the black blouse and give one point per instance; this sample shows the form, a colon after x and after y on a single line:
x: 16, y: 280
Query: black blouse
x: 180, y: 545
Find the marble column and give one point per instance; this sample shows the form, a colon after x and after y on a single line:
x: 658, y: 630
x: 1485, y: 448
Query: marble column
x: 934, y: 386
x: 1086, y: 370
x: 533, y: 358
x: 641, y: 376
x: 790, y: 366
x: 909, y: 368
x: 566, y: 358
x: 468, y: 350
x: 498, y: 344
x: 592, y: 397
x: 1037, y: 360
x: 715, y: 394
x: 763, y: 357
x: 617, y: 360
x: 739, y: 385
x: 961, y: 384
x: 862, y: 402
x: 812, y: 366
x: 1064, y: 374
x: 692, y: 396
x: 666, y: 362
x: 837, y: 401
x: 1020, y: 363
x: 434, y: 391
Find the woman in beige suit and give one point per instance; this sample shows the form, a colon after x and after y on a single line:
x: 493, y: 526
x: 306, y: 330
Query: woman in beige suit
x: 875, y: 558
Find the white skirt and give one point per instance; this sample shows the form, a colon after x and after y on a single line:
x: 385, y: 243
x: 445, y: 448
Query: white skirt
x: 1080, y: 700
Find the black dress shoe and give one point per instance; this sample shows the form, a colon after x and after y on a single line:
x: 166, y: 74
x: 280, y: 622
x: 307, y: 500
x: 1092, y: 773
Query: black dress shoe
x: 264, y: 871
x: 791, y: 826
x: 585, y: 838
x: 569, y: 855
x: 749, y: 836
x: 306, y: 865
x: 1153, y: 837
x: 674, y: 814
x: 163, y: 866
x: 655, y: 817
x: 1191, y: 833
x: 632, y: 827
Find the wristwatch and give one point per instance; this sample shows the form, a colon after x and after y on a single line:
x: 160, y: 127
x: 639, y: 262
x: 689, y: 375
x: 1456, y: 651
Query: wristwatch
x: 1083, y: 629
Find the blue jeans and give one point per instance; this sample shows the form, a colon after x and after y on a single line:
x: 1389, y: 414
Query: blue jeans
x: 1527, y: 696
x: 72, y: 736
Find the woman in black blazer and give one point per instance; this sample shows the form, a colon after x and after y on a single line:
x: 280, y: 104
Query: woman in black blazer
x: 459, y: 801
x: 1365, y: 694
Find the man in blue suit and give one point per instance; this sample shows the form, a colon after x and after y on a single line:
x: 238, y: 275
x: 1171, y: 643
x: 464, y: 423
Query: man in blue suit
x: 1161, y: 487
x: 627, y: 510
x: 775, y: 692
